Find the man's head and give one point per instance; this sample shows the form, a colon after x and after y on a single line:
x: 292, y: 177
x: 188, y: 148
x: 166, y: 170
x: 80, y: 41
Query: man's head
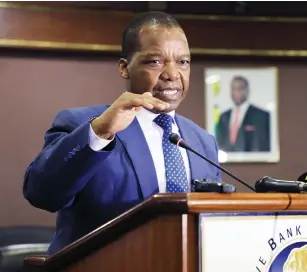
x: 239, y: 90
x: 156, y: 57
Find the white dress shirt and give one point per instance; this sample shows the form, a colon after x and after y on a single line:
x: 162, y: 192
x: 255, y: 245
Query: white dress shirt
x: 153, y: 135
x: 242, y: 111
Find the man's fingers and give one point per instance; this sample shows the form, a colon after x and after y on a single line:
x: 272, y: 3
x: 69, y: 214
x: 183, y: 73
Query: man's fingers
x: 157, y: 102
x: 147, y: 94
x: 137, y: 109
x: 147, y: 102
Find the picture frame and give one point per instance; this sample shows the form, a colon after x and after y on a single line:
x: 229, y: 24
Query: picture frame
x: 241, y: 112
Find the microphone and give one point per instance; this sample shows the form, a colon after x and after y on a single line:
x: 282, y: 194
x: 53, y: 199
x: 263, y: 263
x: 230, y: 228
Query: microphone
x: 303, y: 177
x: 268, y: 184
x: 176, y: 140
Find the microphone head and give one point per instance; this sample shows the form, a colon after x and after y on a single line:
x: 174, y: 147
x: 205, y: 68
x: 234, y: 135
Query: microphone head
x: 174, y: 138
x: 260, y: 185
x: 303, y: 177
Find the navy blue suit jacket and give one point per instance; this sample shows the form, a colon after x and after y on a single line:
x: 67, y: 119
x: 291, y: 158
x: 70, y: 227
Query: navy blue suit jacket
x: 89, y: 188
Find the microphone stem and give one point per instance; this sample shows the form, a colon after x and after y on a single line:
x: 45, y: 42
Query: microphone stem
x: 221, y: 168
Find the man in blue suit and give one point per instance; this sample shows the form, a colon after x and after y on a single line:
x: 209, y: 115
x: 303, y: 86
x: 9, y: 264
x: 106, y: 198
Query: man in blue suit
x: 99, y: 161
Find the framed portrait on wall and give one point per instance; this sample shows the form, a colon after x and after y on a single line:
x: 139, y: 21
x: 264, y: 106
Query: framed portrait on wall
x: 242, y: 113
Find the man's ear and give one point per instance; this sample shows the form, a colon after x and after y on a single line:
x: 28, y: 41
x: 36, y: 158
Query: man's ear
x: 123, y: 68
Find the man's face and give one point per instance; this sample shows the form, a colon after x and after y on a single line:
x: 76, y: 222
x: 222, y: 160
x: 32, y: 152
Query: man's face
x: 238, y: 92
x: 161, y: 65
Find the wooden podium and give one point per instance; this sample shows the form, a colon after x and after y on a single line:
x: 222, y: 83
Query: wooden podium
x: 161, y: 234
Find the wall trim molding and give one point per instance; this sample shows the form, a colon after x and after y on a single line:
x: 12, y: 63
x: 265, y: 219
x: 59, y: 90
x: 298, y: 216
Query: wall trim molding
x: 83, y: 47
x: 50, y: 45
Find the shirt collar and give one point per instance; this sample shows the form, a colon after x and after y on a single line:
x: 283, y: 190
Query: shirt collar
x: 148, y: 116
x: 243, y: 106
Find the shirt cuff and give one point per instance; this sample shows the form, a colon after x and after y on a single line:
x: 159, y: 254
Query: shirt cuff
x: 96, y: 143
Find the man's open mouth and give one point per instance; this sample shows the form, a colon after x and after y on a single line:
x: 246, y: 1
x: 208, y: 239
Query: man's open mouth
x: 168, y: 94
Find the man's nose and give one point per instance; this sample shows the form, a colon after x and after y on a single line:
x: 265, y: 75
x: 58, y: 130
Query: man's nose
x: 170, y: 72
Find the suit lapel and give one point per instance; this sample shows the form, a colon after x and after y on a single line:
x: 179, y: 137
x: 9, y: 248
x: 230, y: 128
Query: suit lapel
x: 190, y: 138
x: 136, y: 146
x: 227, y: 116
x: 246, y: 120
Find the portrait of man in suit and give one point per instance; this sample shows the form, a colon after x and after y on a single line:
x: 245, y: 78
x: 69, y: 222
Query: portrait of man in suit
x: 244, y: 127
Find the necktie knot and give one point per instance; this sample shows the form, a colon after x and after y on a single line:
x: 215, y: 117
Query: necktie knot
x: 165, y: 122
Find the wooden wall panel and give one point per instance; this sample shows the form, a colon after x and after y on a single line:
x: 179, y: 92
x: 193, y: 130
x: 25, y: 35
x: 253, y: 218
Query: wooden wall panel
x: 82, y: 29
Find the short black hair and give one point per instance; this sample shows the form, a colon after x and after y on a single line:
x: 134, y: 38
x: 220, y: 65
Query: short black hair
x: 130, y: 37
x: 243, y: 79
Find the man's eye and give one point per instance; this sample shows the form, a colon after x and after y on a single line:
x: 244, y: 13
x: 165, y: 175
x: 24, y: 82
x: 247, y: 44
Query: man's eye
x: 184, y: 62
x: 155, y: 61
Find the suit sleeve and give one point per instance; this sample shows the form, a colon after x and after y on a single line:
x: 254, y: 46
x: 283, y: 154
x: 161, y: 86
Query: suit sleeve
x: 64, y: 166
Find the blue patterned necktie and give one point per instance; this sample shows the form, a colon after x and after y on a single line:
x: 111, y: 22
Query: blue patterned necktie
x: 175, y: 172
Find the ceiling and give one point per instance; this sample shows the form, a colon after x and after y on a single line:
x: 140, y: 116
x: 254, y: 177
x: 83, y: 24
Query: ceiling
x: 230, y: 8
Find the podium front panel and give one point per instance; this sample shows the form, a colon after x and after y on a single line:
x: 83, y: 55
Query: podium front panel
x: 253, y: 242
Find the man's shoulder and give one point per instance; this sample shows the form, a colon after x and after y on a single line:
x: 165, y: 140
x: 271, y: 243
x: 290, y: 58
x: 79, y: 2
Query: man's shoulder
x: 80, y: 114
x: 258, y: 110
x: 89, y: 110
x: 225, y: 113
